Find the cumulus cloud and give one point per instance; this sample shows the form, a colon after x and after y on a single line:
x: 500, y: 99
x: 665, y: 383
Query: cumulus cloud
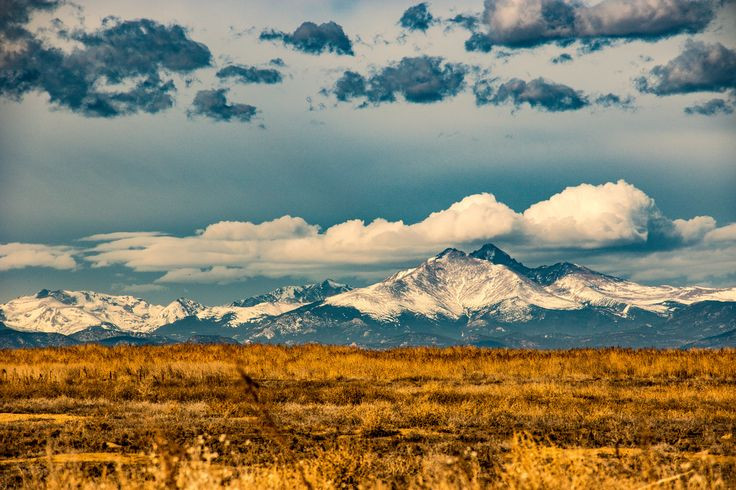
x: 251, y: 74
x: 713, y: 107
x: 88, y: 79
x: 417, y: 18
x: 538, y: 93
x: 700, y: 67
x: 20, y: 255
x: 422, y: 79
x: 531, y: 22
x: 314, y: 39
x: 585, y: 218
x: 214, y: 105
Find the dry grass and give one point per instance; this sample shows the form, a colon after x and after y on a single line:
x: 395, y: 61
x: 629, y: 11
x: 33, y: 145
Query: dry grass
x: 192, y: 416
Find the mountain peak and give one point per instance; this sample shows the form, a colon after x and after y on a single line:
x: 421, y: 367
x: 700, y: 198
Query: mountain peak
x: 495, y: 255
x: 451, y: 252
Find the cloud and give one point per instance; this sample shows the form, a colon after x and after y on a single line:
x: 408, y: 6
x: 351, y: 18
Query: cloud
x: 314, y: 39
x: 563, y: 58
x: 213, y: 104
x: 478, y: 42
x: 417, y: 18
x: 251, y: 74
x: 712, y: 107
x: 15, y: 15
x: 612, y: 214
x: 118, y: 235
x: 700, y: 67
x: 538, y: 93
x: 695, y: 229
x: 422, y: 79
x: 89, y: 79
x: 468, y: 21
x: 613, y: 100
x: 723, y: 234
x: 519, y: 23
x: 587, y: 218
x: 20, y: 255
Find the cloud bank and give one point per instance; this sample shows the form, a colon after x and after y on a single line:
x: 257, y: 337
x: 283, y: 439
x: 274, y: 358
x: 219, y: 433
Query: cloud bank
x: 587, y: 218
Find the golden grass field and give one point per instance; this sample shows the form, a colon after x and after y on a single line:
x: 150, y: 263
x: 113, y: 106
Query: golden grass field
x: 193, y: 416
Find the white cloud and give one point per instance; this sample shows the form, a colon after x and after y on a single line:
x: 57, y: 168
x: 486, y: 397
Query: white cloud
x: 592, y: 216
x: 723, y: 234
x: 693, y: 230
x: 584, y: 217
x: 20, y: 255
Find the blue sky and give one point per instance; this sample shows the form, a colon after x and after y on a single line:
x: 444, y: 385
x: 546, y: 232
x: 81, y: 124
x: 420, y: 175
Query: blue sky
x: 599, y: 132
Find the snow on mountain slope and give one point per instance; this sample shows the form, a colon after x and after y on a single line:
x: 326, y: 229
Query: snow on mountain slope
x: 68, y: 312
x: 245, y: 314
x: 599, y: 290
x: 451, y: 284
x: 176, y: 310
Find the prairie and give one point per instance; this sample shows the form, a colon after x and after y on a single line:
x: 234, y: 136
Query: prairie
x: 259, y: 416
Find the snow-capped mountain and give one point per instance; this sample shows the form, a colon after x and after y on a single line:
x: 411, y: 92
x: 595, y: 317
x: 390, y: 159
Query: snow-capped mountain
x: 308, y: 293
x: 484, y: 298
x: 488, y: 298
x: 450, y: 285
x: 176, y: 310
x: 68, y: 312
x: 71, y: 312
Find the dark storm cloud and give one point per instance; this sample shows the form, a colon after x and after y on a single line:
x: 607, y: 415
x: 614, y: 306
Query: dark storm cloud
x: 700, y: 67
x: 251, y: 74
x: 423, y: 79
x: 468, y: 21
x: 132, y: 51
x: 563, y: 58
x: 613, y: 100
x: 15, y: 14
x: 214, y: 104
x: 538, y: 93
x: 417, y: 18
x: 711, y: 108
x: 478, y: 42
x: 531, y: 22
x: 312, y: 38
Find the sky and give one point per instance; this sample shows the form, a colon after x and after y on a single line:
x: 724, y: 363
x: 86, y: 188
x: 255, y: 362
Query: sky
x: 218, y: 151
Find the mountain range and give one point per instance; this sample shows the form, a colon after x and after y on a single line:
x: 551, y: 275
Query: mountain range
x: 483, y: 298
